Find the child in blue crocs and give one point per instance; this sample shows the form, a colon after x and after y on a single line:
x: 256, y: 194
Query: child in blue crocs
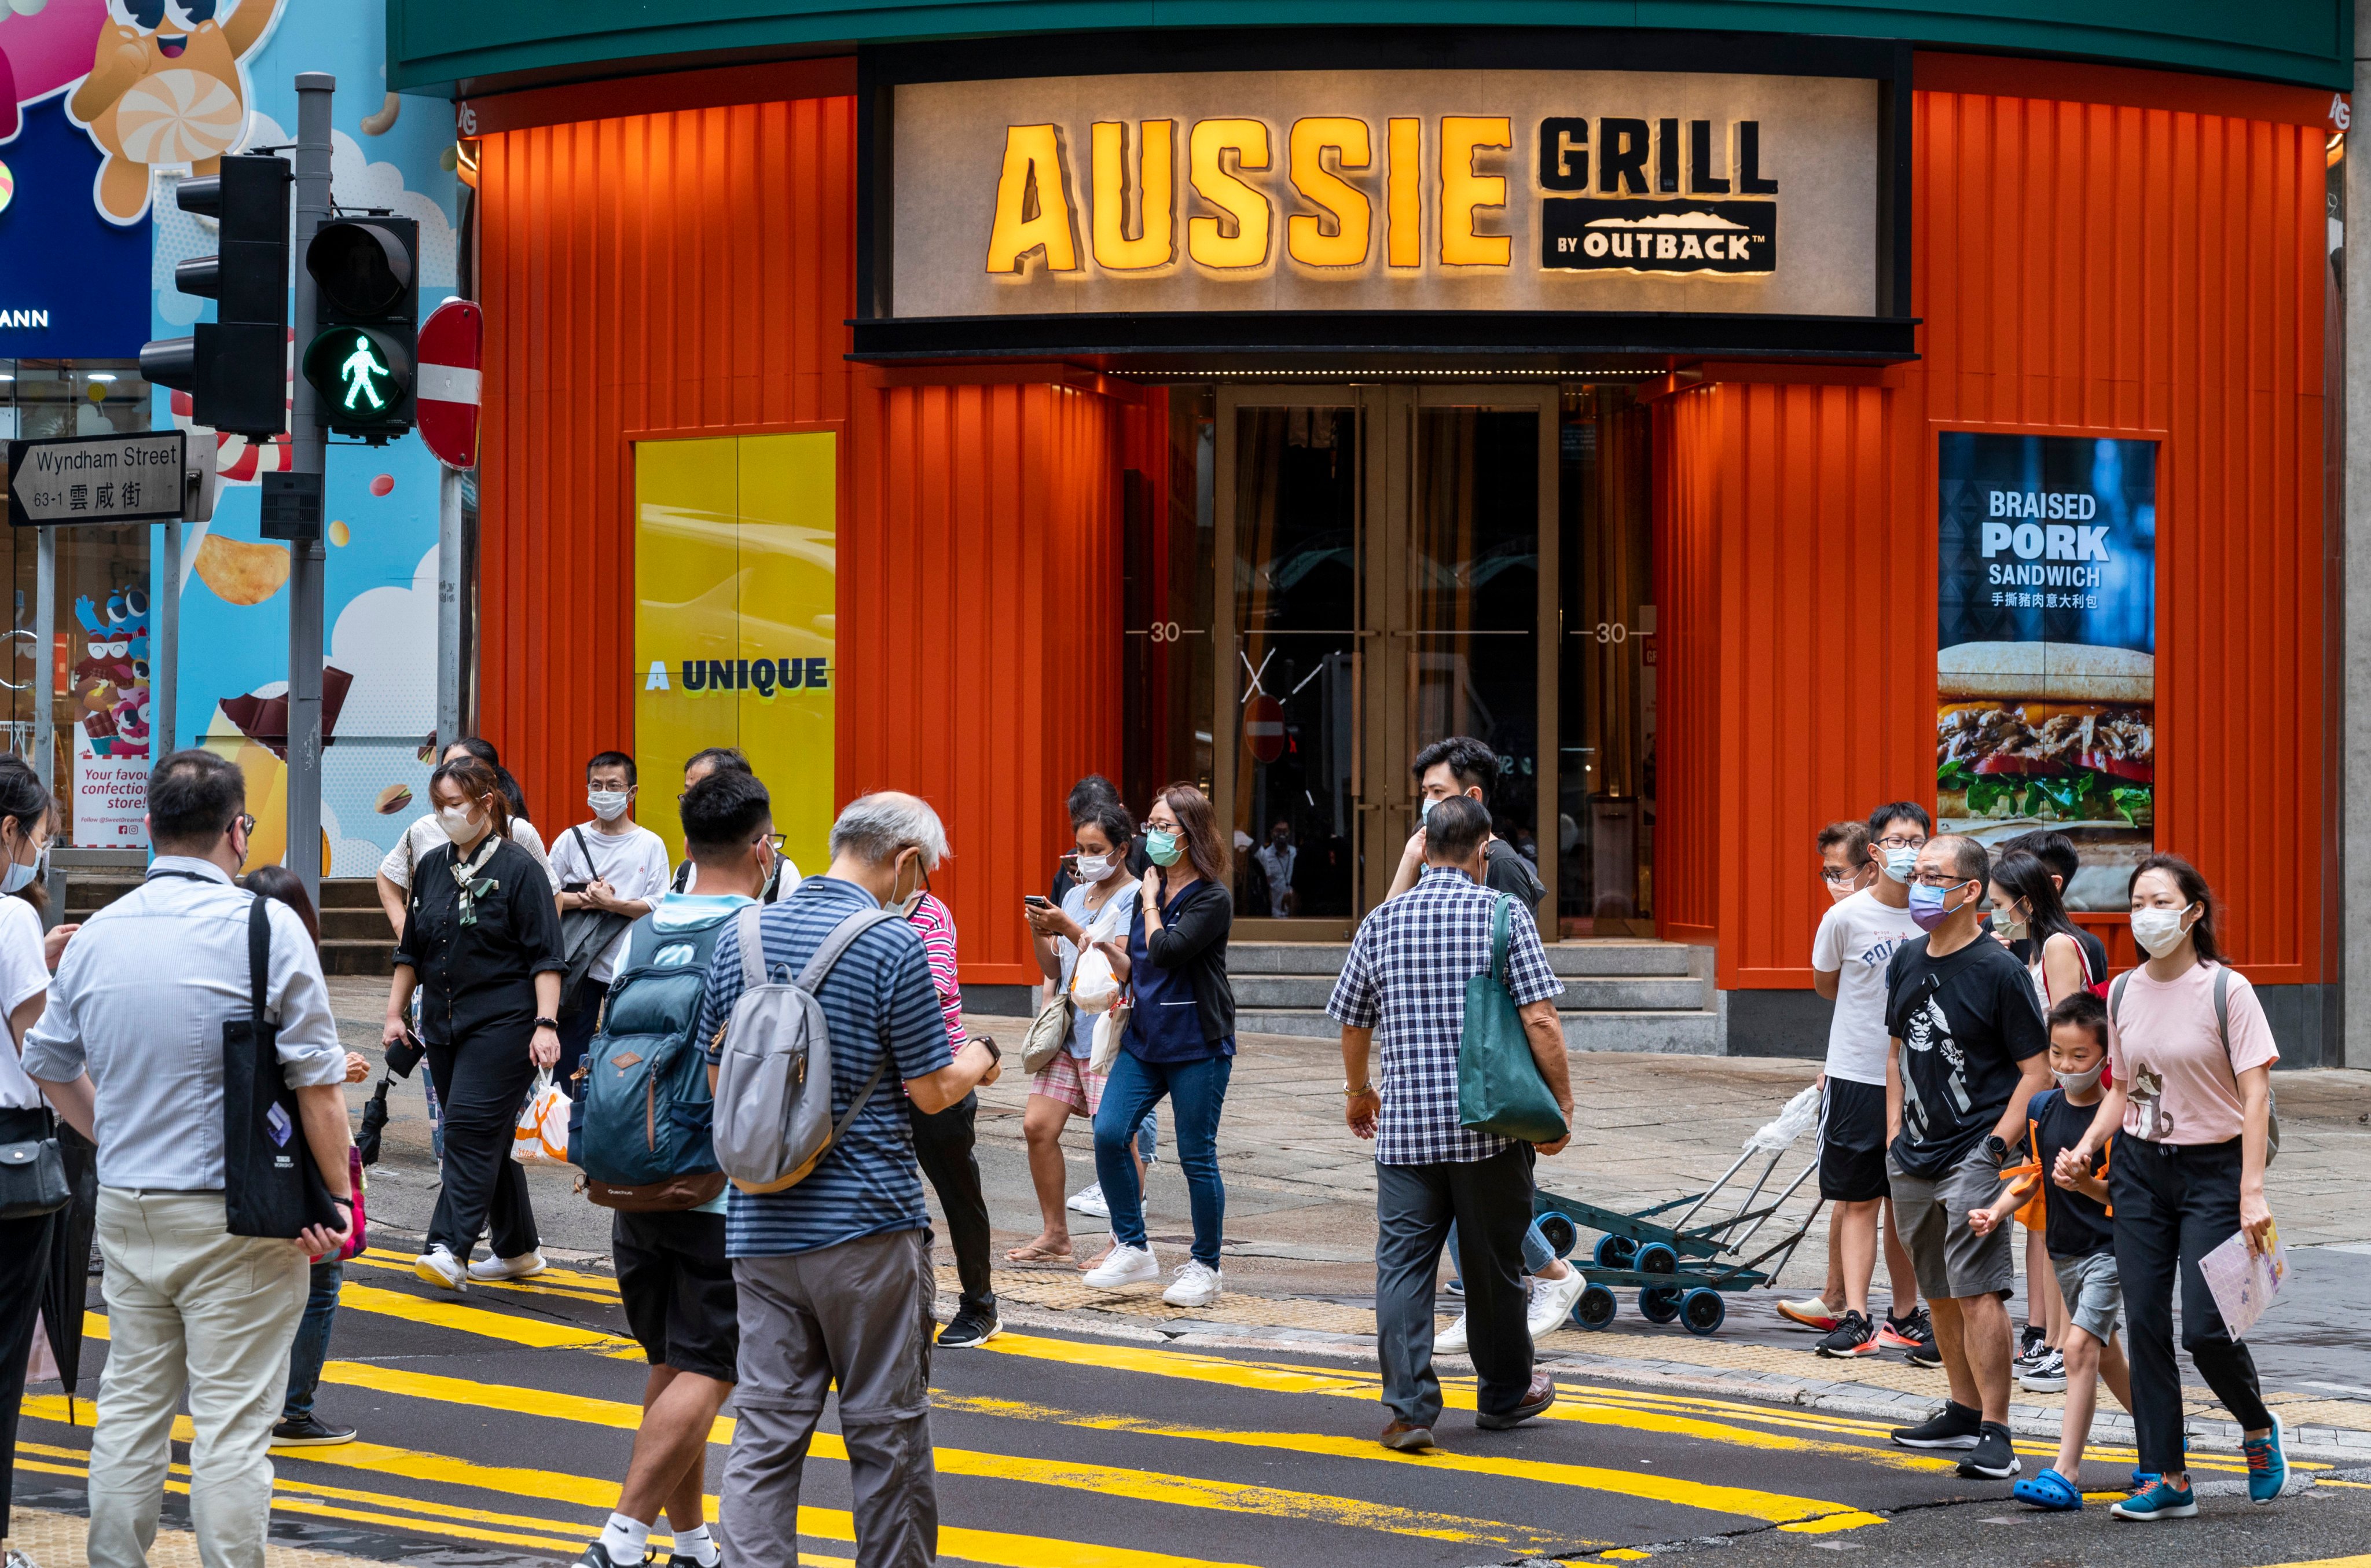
x: 2082, y: 1245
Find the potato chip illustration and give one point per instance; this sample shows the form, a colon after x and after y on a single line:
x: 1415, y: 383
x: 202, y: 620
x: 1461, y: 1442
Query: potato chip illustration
x: 393, y: 798
x: 241, y: 572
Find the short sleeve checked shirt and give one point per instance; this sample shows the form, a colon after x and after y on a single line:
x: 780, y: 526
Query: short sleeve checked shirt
x: 1406, y: 979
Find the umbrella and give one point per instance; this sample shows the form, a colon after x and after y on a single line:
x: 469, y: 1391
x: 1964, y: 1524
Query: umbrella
x: 68, y: 1288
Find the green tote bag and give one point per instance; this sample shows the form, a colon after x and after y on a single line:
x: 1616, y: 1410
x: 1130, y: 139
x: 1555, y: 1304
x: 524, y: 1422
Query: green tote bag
x: 1499, y: 1090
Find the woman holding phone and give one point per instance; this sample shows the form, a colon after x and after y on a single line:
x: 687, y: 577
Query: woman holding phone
x: 1179, y: 1044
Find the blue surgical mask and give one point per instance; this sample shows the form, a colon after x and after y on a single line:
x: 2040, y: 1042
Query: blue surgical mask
x: 19, y: 875
x: 1901, y: 863
x: 1164, y: 848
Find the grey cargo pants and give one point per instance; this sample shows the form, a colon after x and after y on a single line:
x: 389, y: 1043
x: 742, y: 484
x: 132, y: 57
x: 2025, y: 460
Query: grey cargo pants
x: 857, y: 1315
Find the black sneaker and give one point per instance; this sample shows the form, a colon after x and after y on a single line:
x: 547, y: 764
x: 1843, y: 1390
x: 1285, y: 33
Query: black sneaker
x: 971, y: 1329
x: 309, y: 1433
x: 1852, y: 1336
x: 1992, y: 1459
x: 1916, y: 1335
x: 1953, y: 1426
x: 2029, y: 1348
x: 597, y: 1556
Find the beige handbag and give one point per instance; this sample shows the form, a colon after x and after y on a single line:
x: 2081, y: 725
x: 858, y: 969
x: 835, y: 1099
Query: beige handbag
x: 1049, y: 1036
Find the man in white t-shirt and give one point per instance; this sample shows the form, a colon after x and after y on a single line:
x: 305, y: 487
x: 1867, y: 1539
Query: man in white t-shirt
x: 425, y: 834
x: 712, y: 759
x: 1857, y: 935
x: 612, y: 864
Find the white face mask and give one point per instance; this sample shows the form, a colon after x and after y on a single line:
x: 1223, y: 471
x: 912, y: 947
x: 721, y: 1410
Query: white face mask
x: 607, y: 804
x: 2081, y: 1083
x: 2008, y: 925
x: 1901, y: 864
x: 1093, y: 869
x: 904, y: 907
x: 459, y: 821
x: 2159, y: 931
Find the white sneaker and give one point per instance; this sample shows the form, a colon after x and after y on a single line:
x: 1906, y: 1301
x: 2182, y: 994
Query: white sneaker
x: 1126, y: 1265
x: 1088, y: 1200
x: 1451, y: 1341
x: 1552, y: 1302
x: 438, y: 1266
x: 1197, y: 1284
x: 520, y: 1267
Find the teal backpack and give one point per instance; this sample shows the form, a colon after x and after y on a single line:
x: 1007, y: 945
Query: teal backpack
x: 640, y: 1127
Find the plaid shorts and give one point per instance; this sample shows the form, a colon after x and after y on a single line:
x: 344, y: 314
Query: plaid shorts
x: 1066, y: 1079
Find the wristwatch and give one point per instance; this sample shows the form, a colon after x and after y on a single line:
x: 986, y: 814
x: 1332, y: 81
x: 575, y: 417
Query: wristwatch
x: 550, y: 1023
x: 994, y: 1053
x: 1997, y: 1148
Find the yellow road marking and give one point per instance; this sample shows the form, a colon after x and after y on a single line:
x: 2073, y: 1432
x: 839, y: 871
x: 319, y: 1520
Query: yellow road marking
x: 1114, y: 1481
x: 1771, y: 1507
x: 2361, y: 1562
x: 600, y: 1284
x: 995, y: 1548
x: 535, y: 1332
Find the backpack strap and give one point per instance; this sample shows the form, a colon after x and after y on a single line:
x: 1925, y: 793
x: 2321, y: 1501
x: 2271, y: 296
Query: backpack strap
x: 2223, y: 1016
x: 753, y: 947
x: 2116, y: 1001
x: 577, y: 833
x: 837, y: 942
x: 258, y: 958
x: 1498, y: 926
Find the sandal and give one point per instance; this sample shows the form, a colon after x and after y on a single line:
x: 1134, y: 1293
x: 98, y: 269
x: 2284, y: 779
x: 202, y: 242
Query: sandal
x: 1034, y: 1254
x: 2050, y: 1491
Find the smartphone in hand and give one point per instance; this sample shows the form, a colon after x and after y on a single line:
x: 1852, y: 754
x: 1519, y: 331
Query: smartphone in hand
x: 1037, y: 900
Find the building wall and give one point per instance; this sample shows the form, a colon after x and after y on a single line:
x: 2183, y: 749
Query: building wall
x: 689, y: 273
x: 2081, y: 270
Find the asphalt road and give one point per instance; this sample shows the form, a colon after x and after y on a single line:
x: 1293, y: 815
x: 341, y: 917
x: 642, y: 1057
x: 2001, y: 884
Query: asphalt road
x: 494, y: 1427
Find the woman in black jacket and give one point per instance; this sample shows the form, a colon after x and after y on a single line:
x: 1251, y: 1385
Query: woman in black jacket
x: 481, y: 939
x: 1180, y: 1042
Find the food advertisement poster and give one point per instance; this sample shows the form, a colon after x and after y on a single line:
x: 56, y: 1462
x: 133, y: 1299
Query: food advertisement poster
x: 2046, y: 674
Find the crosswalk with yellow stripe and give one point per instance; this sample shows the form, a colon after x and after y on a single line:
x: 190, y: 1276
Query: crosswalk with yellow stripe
x: 501, y: 1419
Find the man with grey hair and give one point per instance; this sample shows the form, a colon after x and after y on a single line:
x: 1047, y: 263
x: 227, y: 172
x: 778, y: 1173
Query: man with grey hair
x: 834, y: 1272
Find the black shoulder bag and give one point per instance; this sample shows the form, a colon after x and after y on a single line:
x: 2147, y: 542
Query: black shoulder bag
x: 271, y: 1185
x: 585, y: 934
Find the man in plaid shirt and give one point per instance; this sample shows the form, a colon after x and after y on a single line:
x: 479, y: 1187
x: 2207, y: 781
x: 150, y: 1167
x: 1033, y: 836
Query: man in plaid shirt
x: 1406, y: 973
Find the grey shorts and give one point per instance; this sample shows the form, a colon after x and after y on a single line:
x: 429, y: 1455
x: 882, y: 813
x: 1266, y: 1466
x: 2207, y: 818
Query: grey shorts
x: 2094, y: 1293
x: 1930, y: 1215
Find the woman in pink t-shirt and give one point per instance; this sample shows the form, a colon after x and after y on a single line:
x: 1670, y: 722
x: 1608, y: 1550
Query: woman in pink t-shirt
x: 2192, y: 1098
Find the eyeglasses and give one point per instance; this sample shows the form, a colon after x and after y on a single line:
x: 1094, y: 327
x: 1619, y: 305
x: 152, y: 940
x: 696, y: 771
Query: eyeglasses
x: 244, y: 822
x: 1836, y: 878
x: 776, y: 840
x: 1944, y: 881
x: 1898, y: 841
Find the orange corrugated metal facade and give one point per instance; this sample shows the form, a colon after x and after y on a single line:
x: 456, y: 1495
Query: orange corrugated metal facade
x: 2079, y: 269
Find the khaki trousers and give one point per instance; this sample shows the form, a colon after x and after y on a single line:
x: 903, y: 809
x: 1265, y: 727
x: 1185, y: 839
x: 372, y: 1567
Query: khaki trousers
x: 188, y: 1305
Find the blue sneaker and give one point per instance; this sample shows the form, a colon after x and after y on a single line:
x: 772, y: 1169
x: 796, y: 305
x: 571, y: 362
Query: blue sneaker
x: 2268, y: 1464
x: 2157, y: 1500
x: 2049, y: 1490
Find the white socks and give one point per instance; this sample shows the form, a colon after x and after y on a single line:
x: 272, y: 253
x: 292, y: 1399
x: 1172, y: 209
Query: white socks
x: 699, y: 1545
x: 626, y: 1540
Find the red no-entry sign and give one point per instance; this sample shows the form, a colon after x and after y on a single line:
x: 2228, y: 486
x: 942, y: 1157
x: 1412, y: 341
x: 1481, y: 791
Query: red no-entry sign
x: 1264, y: 727
x: 452, y: 346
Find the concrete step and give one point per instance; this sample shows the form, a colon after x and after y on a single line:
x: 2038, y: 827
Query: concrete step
x: 1575, y: 959
x: 352, y: 892
x: 1695, y: 1033
x: 356, y: 925
x: 1658, y: 992
x: 359, y: 957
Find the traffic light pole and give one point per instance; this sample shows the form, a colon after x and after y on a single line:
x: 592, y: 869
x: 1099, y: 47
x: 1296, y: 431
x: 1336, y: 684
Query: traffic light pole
x: 307, y: 566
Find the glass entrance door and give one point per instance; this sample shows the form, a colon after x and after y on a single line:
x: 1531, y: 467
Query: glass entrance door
x: 1387, y: 558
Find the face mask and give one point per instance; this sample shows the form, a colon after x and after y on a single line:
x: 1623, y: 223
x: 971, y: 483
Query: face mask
x: 1901, y: 863
x: 2081, y: 1083
x: 1839, y: 892
x: 2158, y: 931
x: 1164, y: 848
x: 459, y: 821
x: 2009, y: 926
x: 19, y: 875
x: 1926, y: 907
x: 904, y: 907
x: 1093, y: 869
x: 607, y: 804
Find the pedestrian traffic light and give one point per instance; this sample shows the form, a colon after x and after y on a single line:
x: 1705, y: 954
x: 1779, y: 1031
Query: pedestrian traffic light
x: 366, y: 323
x: 235, y: 368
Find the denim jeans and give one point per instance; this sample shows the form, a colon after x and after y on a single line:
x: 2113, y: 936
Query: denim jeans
x: 1196, y: 1091
x: 312, y: 1344
x: 1537, y: 1253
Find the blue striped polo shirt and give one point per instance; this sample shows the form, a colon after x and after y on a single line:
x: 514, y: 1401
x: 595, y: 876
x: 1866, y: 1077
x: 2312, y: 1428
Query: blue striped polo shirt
x: 876, y: 999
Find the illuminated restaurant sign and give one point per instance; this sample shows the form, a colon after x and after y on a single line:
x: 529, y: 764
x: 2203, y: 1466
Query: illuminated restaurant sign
x: 1386, y: 190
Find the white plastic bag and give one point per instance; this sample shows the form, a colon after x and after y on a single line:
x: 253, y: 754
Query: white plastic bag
x: 541, y: 1132
x: 1094, y: 987
x: 1789, y: 1123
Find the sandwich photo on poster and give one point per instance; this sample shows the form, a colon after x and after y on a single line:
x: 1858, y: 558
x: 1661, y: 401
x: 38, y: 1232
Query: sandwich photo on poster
x: 2046, y: 674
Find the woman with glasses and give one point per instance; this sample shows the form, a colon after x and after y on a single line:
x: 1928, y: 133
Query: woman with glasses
x: 481, y: 942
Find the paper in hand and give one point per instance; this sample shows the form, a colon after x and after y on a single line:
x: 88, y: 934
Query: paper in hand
x: 2245, y: 1282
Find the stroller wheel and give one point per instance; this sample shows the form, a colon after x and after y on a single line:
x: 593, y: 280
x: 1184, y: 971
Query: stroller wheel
x: 1660, y: 1303
x: 1560, y: 1233
x: 1616, y: 1252
x: 1595, y: 1307
x: 1702, y: 1310
x: 1656, y: 1258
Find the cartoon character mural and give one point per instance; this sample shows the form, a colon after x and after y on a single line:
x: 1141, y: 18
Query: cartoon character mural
x: 112, y: 743
x: 167, y: 87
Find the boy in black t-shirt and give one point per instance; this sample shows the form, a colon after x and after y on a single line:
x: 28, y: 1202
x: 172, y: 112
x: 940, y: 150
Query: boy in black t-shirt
x: 2079, y: 1231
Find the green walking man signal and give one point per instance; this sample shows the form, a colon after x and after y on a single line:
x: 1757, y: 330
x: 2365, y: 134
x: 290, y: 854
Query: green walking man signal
x: 359, y: 369
x: 363, y: 355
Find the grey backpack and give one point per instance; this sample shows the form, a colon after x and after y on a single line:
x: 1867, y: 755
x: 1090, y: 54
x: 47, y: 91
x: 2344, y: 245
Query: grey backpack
x: 772, y: 1117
